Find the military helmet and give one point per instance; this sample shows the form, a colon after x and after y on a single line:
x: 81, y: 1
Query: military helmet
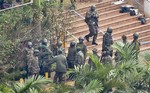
x: 36, y: 51
x: 44, y: 41
x: 30, y: 43
x: 72, y: 43
x: 81, y: 38
x: 109, y: 30
x: 135, y: 36
x: 59, y: 43
x: 93, y: 7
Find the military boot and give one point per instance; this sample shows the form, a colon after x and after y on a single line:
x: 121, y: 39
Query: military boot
x: 87, y: 38
x: 94, y: 43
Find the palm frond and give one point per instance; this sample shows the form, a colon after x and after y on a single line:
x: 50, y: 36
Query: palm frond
x: 32, y: 82
x: 93, y: 87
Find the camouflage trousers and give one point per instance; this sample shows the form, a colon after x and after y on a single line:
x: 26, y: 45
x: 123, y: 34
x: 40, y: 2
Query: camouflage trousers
x: 59, y: 77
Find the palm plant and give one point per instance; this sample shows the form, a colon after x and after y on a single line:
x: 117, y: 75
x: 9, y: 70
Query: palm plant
x: 31, y: 85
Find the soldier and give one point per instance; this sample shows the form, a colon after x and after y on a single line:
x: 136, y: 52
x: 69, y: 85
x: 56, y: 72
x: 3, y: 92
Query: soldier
x: 28, y: 56
x: 33, y: 66
x: 91, y: 19
x: 53, y: 48
x: 124, y: 39
x: 79, y: 59
x: 82, y: 46
x: 71, y: 55
x: 136, y: 44
x: 92, y: 65
x: 60, y: 47
x: 107, y: 41
x: 46, y: 57
x: 61, y: 66
x: 106, y: 58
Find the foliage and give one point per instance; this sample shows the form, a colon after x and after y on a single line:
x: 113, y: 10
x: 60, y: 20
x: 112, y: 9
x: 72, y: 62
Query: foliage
x: 31, y: 85
x: 5, y: 89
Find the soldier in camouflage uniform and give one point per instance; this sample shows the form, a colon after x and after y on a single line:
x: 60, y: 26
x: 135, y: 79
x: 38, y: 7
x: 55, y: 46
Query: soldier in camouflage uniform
x: 136, y: 44
x: 107, y: 41
x: 28, y: 52
x: 71, y: 55
x: 60, y: 47
x: 106, y: 58
x: 33, y: 66
x: 46, y: 57
x: 91, y: 19
x: 79, y: 58
x: 61, y: 67
x: 82, y: 46
x: 92, y: 65
x: 53, y: 48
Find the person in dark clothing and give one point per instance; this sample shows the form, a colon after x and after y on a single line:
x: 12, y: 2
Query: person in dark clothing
x: 91, y: 19
x: 61, y: 67
x: 107, y: 41
x: 83, y: 47
x: 71, y: 55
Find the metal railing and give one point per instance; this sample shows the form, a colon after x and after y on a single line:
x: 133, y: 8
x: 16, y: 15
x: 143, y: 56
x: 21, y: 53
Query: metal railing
x: 31, y: 2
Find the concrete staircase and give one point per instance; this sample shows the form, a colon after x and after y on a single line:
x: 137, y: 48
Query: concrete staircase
x: 109, y: 16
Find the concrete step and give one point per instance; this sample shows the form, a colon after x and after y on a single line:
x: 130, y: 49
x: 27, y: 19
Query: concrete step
x: 109, y: 19
x: 101, y: 16
x: 101, y: 10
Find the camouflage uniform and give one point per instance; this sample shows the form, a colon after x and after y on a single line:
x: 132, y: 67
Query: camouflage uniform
x: 33, y: 66
x: 71, y: 55
x: 91, y: 19
x: 106, y: 58
x: 79, y: 59
x: 45, y: 58
x: 92, y: 65
x: 83, y: 47
x: 136, y: 44
x: 60, y: 47
x: 61, y: 66
x: 107, y: 41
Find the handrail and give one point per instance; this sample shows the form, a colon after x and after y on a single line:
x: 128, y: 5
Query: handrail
x: 31, y: 2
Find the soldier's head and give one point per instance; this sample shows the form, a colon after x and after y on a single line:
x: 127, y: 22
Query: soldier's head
x: 78, y: 49
x: 60, y: 51
x: 135, y: 36
x: 94, y: 50
x: 29, y: 44
x: 124, y: 38
x: 109, y: 30
x: 72, y: 44
x: 44, y: 42
x: 59, y: 44
x: 93, y: 8
x: 81, y: 39
x: 36, y: 52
